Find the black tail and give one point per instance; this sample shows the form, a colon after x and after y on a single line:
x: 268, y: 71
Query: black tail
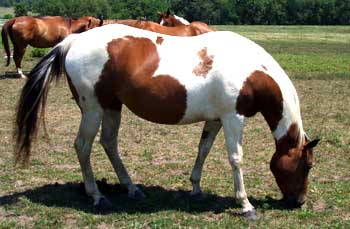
x: 33, y: 99
x: 6, y: 28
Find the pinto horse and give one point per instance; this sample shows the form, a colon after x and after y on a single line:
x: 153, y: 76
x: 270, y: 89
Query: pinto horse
x: 40, y: 32
x: 171, y: 20
x: 183, y: 30
x: 219, y: 77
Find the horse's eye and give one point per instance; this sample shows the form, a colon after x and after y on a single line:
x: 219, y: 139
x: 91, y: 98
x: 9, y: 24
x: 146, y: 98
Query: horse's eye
x: 309, y: 166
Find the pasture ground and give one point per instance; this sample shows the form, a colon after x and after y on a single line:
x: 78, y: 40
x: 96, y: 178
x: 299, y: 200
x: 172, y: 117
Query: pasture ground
x: 159, y: 158
x: 6, y: 10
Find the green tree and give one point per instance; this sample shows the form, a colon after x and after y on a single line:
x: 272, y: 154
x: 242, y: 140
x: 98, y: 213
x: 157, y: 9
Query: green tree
x: 21, y: 9
x: 5, y: 3
x: 49, y: 7
x: 275, y: 12
x: 227, y: 12
x: 328, y: 12
x: 342, y: 12
x: 78, y: 8
x: 252, y: 11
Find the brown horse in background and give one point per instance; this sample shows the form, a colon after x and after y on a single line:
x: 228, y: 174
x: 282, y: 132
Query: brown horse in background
x: 40, y: 32
x: 171, y: 20
x: 181, y: 30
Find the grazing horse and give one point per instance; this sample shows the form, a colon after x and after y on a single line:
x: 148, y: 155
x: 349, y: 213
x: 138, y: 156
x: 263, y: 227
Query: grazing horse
x: 183, y: 30
x: 171, y: 20
x: 218, y: 77
x: 40, y: 32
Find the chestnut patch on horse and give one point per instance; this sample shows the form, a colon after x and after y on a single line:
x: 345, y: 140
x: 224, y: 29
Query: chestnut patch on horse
x: 289, y: 140
x: 159, y: 40
x: 205, y: 65
x: 289, y: 164
x: 128, y: 78
x: 261, y: 93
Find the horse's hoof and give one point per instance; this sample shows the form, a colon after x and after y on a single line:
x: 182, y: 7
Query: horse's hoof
x: 103, y: 206
x: 251, y: 215
x: 197, y: 196
x: 138, y: 195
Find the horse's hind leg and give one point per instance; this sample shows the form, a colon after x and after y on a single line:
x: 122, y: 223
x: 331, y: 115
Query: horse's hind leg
x: 210, y: 130
x: 89, y: 125
x: 109, y: 141
x: 18, y: 53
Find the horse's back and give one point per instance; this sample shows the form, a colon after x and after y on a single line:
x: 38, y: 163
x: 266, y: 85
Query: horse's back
x: 47, y: 31
x: 190, y: 78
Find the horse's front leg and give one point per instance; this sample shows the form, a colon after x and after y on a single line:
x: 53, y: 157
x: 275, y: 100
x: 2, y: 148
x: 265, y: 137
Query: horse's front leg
x: 109, y: 141
x: 210, y: 130
x: 233, y: 129
x: 89, y: 125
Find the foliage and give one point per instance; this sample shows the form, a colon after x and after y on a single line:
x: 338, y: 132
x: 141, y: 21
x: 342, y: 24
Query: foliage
x: 5, y: 3
x: 316, y: 12
x: 21, y: 8
x: 38, y: 52
x: 8, y: 16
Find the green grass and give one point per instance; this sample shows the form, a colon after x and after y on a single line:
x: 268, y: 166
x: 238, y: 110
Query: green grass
x: 304, y: 51
x: 160, y: 158
x: 6, y: 10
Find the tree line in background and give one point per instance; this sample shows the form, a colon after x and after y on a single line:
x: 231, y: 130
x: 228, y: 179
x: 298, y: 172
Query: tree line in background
x: 266, y: 12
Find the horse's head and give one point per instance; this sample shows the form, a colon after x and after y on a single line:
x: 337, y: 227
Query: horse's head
x: 291, y: 165
x: 85, y: 23
x: 167, y: 19
x: 164, y: 18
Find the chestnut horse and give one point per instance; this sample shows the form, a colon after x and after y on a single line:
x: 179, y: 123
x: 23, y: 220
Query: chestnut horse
x: 171, y: 20
x: 219, y: 77
x: 183, y: 30
x: 40, y: 32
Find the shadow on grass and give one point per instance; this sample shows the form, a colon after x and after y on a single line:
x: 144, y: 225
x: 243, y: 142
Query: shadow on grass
x: 12, y: 75
x: 72, y: 195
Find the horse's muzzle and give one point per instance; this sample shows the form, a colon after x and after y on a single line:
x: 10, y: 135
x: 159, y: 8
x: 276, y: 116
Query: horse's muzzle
x: 293, y: 202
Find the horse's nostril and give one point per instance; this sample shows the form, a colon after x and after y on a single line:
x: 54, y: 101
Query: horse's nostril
x: 293, y: 202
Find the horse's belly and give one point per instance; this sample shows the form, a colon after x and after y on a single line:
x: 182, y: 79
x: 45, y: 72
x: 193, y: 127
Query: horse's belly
x: 161, y: 100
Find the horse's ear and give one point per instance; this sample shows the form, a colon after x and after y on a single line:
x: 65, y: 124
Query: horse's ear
x: 168, y: 12
x: 101, y: 21
x: 311, y: 144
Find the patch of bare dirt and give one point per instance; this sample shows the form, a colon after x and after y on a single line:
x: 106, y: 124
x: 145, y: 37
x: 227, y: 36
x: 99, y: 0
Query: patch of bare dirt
x: 319, y: 205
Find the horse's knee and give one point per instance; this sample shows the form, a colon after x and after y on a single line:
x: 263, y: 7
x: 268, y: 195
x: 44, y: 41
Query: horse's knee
x: 106, y: 144
x: 78, y: 144
x: 82, y: 146
x: 235, y: 161
x: 108, y: 141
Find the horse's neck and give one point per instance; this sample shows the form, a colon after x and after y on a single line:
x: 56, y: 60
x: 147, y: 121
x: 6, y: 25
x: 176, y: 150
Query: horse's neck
x: 279, y: 104
x: 106, y: 22
x: 180, y: 21
x: 289, y: 132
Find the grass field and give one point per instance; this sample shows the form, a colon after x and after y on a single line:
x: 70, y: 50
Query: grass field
x: 159, y: 158
x: 6, y: 10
